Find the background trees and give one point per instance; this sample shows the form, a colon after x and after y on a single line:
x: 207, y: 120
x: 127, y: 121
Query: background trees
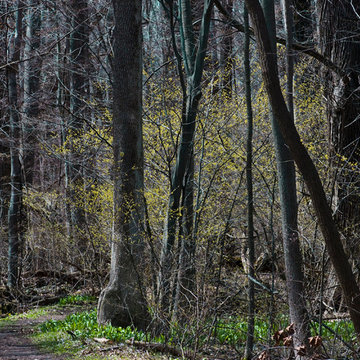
x: 183, y: 198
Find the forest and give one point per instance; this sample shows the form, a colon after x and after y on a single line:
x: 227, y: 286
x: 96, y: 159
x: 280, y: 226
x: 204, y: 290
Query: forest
x: 191, y: 166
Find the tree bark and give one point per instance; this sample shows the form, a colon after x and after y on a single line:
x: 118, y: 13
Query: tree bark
x: 249, y: 187
x: 15, y: 226
x: 32, y: 71
x: 305, y: 165
x: 79, y: 89
x: 339, y: 35
x: 123, y: 301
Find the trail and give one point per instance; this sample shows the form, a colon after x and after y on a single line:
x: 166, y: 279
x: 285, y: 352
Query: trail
x: 15, y: 343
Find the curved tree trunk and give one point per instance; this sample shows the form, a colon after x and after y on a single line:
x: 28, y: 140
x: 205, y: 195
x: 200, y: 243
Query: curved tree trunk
x: 305, y: 165
x: 123, y: 301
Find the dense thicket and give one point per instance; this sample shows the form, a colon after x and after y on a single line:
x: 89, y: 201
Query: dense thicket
x: 69, y: 186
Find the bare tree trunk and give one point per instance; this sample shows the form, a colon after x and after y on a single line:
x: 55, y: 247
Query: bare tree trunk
x: 339, y: 35
x: 305, y: 165
x: 15, y: 226
x: 32, y: 74
x: 123, y: 301
x: 182, y: 174
x: 5, y: 168
x: 287, y: 187
x: 250, y: 197
x: 79, y: 94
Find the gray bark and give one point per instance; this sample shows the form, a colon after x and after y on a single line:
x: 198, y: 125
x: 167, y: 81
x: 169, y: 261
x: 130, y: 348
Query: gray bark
x: 32, y: 71
x: 305, y: 164
x: 15, y: 228
x: 4, y: 116
x: 287, y: 187
x: 123, y: 301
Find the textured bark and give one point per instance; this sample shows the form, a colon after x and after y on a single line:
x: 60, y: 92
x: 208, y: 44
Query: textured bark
x: 4, y: 117
x: 339, y: 24
x: 79, y: 87
x: 249, y: 187
x: 15, y: 228
x: 305, y: 165
x: 123, y: 302
x: 31, y: 88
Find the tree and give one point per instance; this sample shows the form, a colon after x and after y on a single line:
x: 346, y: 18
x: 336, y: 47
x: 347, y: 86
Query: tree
x: 305, y: 164
x: 123, y: 301
x: 79, y: 94
x: 287, y: 190
x: 249, y: 186
x: 181, y: 191
x: 15, y: 218
x: 340, y: 42
x: 32, y: 72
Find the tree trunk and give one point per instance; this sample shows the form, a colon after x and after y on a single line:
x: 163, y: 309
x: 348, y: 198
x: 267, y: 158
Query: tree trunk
x: 5, y: 169
x: 182, y: 174
x: 250, y: 197
x: 305, y: 165
x: 288, y: 199
x: 123, y: 301
x: 339, y: 24
x: 79, y: 88
x: 32, y: 74
x: 15, y: 219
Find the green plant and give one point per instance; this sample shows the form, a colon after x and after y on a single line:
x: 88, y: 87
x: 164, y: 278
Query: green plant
x: 77, y: 300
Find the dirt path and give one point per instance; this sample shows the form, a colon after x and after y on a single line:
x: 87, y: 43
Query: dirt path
x: 15, y: 343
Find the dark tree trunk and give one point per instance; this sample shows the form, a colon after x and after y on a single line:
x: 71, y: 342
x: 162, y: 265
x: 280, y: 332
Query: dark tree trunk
x: 5, y: 169
x: 339, y: 34
x: 31, y: 89
x: 306, y: 166
x: 79, y: 88
x: 250, y: 197
x: 123, y: 301
x: 15, y: 226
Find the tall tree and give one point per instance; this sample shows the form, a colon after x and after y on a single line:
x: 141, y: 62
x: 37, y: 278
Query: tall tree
x: 32, y: 72
x: 15, y: 219
x: 79, y: 90
x: 249, y: 186
x: 305, y: 164
x: 4, y: 116
x: 123, y: 301
x: 339, y: 36
x: 181, y: 191
x: 289, y: 207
